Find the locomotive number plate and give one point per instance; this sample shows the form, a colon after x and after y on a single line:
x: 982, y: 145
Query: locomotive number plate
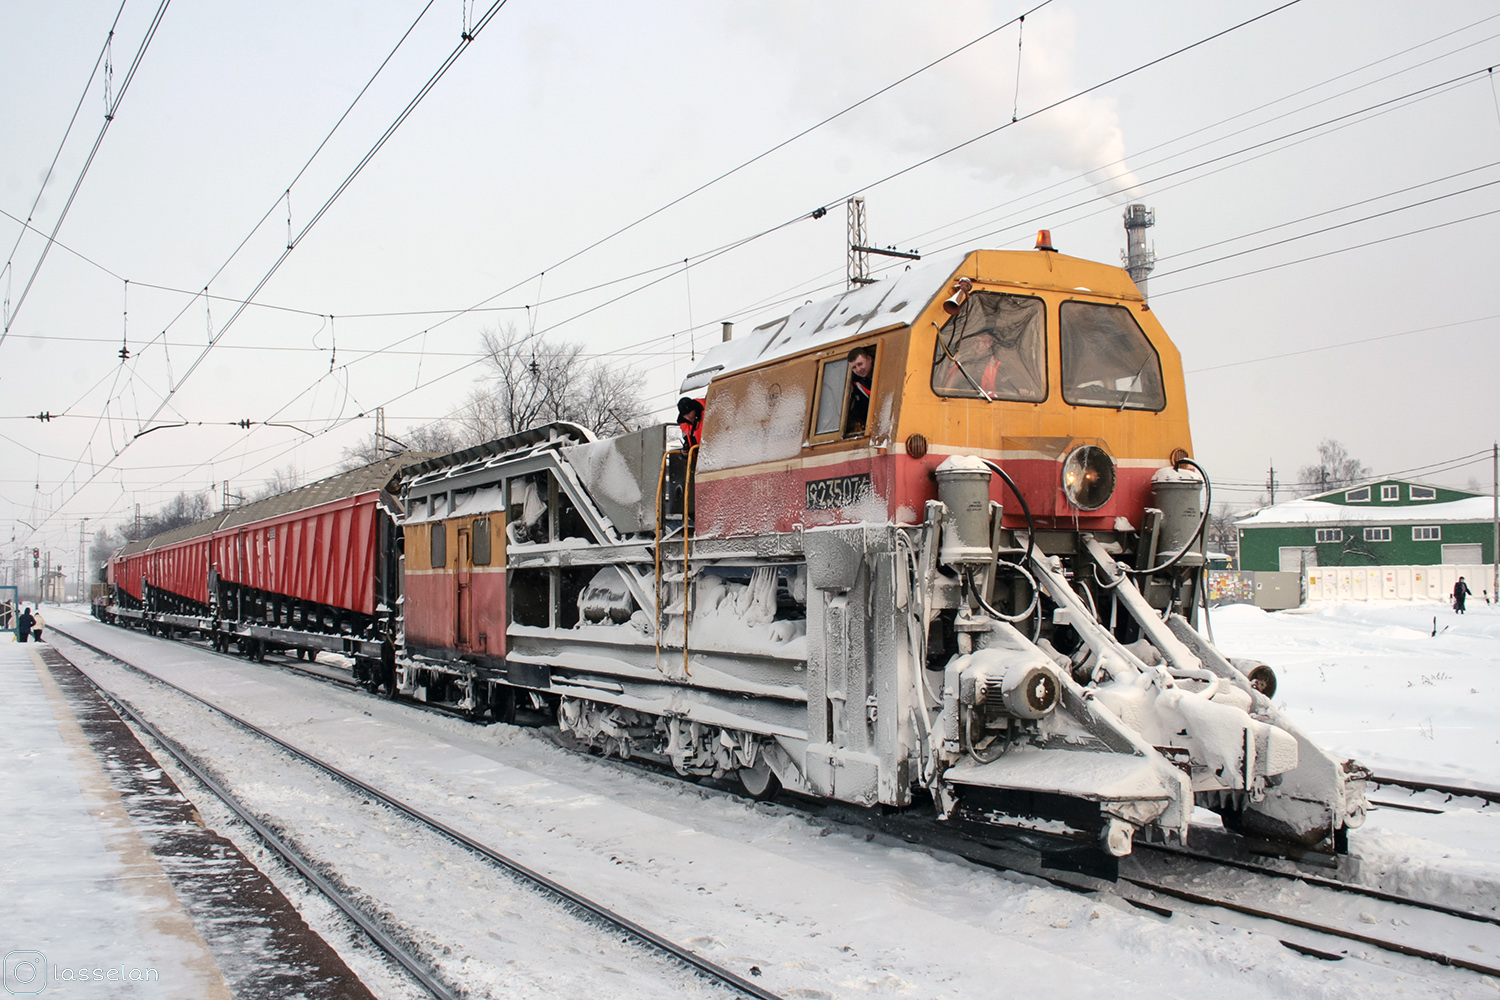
x: 841, y: 491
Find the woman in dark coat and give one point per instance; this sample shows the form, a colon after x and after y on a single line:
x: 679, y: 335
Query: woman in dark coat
x: 24, y: 625
x: 1460, y: 592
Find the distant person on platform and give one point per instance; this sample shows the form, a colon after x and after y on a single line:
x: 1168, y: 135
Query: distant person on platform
x: 24, y: 625
x: 37, y: 624
x: 1460, y: 592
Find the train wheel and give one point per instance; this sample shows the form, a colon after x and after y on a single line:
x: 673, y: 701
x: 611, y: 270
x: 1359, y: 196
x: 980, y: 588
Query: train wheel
x: 759, y: 782
x: 503, y: 704
x: 388, y: 679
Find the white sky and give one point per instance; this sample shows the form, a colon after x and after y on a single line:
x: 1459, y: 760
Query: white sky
x: 562, y: 123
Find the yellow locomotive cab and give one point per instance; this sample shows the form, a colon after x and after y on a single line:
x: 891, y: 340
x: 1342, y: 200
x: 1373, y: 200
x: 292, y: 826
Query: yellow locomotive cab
x: 1040, y: 361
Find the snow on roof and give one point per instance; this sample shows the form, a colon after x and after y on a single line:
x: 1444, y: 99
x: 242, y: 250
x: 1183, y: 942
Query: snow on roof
x: 1311, y: 511
x: 865, y: 309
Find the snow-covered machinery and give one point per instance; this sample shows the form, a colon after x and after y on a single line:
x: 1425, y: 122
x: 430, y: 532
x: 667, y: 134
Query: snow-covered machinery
x: 942, y: 540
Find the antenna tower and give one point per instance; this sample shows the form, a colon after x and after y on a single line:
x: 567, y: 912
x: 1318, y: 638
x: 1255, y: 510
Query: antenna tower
x: 859, y: 259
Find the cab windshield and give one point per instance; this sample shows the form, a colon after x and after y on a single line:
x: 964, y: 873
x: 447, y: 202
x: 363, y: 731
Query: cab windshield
x: 1107, y: 360
x: 993, y: 347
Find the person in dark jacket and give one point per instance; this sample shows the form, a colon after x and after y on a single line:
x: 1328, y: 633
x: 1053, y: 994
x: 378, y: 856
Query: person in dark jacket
x: 861, y: 369
x: 1460, y: 592
x: 24, y: 624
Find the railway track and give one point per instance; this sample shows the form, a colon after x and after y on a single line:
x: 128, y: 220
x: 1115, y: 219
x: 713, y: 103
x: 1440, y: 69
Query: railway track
x: 397, y: 941
x: 1261, y: 898
x: 1217, y: 877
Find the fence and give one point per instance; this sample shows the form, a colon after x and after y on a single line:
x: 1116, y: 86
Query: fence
x: 1393, y: 583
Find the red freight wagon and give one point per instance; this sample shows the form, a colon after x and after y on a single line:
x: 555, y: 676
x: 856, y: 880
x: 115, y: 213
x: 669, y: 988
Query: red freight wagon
x: 314, y: 568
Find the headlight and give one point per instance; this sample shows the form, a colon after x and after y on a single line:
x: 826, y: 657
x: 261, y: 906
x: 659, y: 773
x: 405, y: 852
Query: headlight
x: 1088, y: 477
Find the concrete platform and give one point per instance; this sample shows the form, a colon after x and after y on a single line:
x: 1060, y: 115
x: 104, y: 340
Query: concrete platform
x: 111, y: 885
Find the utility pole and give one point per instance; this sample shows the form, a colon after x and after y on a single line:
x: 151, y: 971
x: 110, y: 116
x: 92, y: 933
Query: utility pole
x: 859, y: 261
x: 860, y: 249
x: 83, y: 577
x: 379, y: 433
x: 1271, y: 482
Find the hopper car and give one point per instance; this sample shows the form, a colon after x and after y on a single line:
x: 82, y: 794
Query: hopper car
x: 940, y: 544
x: 315, y: 569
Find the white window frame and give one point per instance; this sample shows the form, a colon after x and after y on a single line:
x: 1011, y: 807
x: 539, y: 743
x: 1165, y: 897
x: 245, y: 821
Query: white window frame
x: 1361, y: 495
x: 1427, y: 533
x: 1422, y: 492
x: 1328, y: 535
x: 1377, y: 534
x: 1390, y: 492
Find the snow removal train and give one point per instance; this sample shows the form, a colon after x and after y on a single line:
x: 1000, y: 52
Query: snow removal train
x: 941, y: 544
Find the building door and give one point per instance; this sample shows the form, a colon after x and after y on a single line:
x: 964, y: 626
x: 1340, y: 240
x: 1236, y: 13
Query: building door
x: 461, y: 573
x: 1294, y: 558
x: 1463, y: 555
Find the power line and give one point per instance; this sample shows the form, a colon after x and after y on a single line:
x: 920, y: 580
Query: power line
x: 1328, y: 229
x: 1320, y: 256
x: 1268, y: 146
x: 799, y: 218
x: 109, y: 118
x: 432, y: 81
x: 1346, y: 343
x: 42, y: 188
x: 1084, y: 176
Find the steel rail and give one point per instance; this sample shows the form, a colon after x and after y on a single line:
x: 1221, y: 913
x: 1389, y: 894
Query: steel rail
x: 377, y: 934
x: 925, y: 832
x: 1424, y: 785
x: 643, y: 935
x: 1393, y: 946
x: 1324, y: 882
x: 918, y: 832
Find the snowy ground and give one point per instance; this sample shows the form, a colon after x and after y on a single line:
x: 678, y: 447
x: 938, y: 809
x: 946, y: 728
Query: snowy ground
x: 822, y: 912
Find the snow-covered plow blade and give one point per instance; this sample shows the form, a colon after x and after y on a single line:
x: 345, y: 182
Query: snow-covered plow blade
x: 1135, y: 735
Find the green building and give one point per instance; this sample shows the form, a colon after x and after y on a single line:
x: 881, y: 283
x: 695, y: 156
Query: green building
x: 1391, y: 522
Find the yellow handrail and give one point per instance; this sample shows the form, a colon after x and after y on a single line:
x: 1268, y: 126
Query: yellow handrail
x: 661, y: 479
x: 687, y: 522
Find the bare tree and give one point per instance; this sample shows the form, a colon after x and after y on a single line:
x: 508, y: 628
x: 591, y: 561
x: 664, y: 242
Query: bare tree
x: 612, y: 401
x: 107, y: 541
x: 1335, y: 468
x: 184, y: 508
x: 534, y: 381
x: 283, y: 480
x: 437, y: 437
x: 1223, y: 536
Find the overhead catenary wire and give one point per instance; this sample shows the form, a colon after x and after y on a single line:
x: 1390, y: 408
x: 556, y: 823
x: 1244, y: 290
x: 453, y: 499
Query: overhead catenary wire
x: 406, y: 112
x: 109, y: 118
x: 62, y: 144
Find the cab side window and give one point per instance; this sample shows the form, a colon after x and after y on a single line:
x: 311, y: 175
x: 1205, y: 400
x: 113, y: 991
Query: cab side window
x: 995, y: 347
x: 833, y: 383
x: 1107, y: 360
x: 842, y: 407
